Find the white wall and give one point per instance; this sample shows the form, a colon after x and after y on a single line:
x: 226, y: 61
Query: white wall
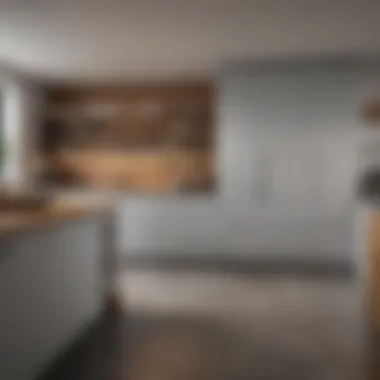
x: 23, y: 107
x: 308, y: 116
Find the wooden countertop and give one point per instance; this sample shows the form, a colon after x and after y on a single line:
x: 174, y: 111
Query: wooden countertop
x: 50, y: 214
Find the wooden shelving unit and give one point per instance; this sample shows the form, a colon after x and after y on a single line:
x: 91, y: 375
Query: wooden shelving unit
x: 138, y: 138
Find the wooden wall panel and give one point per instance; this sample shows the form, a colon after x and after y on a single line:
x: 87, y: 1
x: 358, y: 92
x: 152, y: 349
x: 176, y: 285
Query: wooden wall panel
x: 128, y: 150
x: 175, y: 170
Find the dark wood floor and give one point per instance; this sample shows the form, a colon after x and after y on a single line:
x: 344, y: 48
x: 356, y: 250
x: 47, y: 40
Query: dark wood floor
x: 168, y: 344
x: 141, y: 347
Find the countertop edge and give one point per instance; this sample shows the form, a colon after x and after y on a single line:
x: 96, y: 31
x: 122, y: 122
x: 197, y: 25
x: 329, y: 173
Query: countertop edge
x: 53, y: 215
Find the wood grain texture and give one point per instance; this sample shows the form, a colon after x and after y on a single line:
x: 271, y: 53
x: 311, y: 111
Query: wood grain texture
x: 134, y: 116
x: 137, y: 170
x: 158, y: 137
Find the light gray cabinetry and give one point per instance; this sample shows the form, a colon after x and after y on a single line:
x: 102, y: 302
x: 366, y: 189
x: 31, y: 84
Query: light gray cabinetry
x: 50, y: 287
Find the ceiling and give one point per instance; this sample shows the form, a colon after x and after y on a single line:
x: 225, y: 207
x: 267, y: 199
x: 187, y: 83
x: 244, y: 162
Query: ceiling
x: 84, y: 40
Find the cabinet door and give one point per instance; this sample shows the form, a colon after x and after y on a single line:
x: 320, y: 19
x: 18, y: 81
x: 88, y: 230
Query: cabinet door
x: 288, y: 174
x: 310, y: 173
x: 50, y: 287
x: 292, y: 177
x: 24, y: 314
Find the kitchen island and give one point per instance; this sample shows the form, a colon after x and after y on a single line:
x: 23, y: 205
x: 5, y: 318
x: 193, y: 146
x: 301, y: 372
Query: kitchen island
x: 53, y: 281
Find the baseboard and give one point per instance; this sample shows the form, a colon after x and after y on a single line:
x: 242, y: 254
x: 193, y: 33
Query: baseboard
x: 244, y: 264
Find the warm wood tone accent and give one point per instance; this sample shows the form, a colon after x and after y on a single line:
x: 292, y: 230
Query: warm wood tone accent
x: 52, y: 212
x: 373, y: 239
x: 134, y: 117
x: 12, y: 200
x: 158, y: 137
x: 138, y: 170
